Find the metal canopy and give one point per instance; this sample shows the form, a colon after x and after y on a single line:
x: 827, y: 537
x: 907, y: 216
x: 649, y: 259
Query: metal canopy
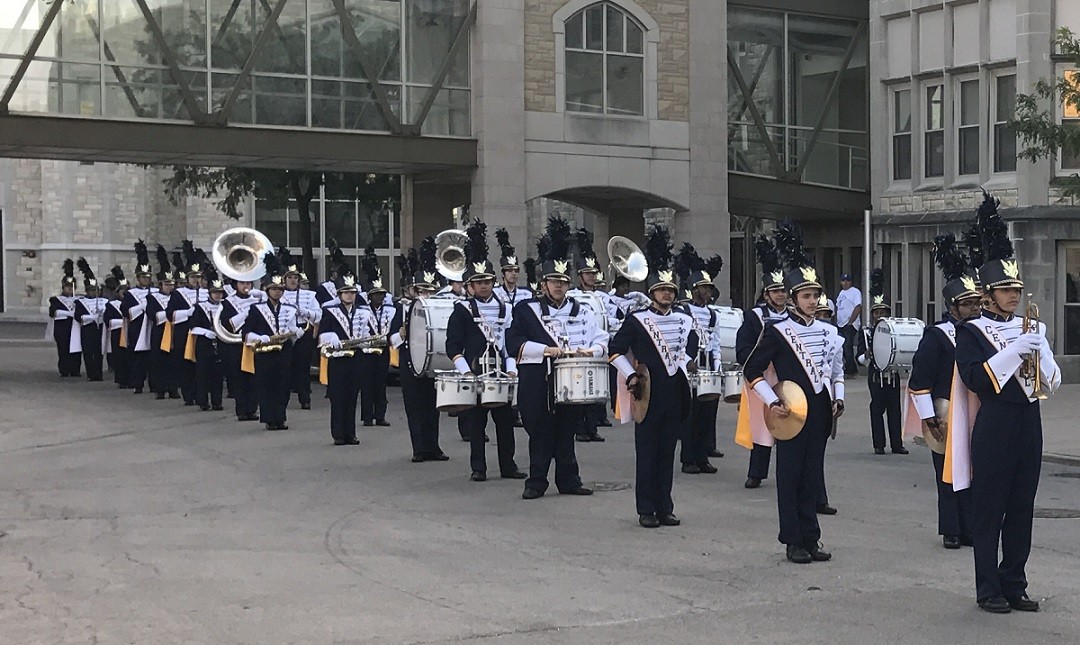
x: 765, y: 198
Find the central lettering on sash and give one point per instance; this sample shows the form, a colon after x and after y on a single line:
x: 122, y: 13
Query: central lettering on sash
x: 667, y: 354
x: 949, y: 330
x: 999, y: 343
x: 806, y: 359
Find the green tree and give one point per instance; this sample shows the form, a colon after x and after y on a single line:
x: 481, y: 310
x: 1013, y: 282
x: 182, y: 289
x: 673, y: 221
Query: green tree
x: 1036, y: 124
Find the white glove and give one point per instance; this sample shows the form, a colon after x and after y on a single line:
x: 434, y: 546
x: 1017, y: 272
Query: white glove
x: 264, y: 339
x: 1027, y: 343
x: 63, y: 314
x: 334, y: 344
x: 87, y: 319
x: 136, y: 311
x: 861, y: 359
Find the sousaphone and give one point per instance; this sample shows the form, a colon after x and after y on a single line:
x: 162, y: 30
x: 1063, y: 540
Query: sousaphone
x: 626, y: 259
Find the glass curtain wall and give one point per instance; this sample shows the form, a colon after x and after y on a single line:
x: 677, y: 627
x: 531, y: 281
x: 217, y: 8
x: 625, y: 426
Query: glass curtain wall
x: 102, y: 58
x: 807, y: 77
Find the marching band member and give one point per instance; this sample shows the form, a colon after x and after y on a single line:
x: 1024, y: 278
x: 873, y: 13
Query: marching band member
x: 134, y: 307
x: 932, y: 369
x: 418, y: 392
x: 476, y: 342
x: 118, y: 351
x: 343, y: 321
x: 508, y: 291
x: 181, y: 307
x: 807, y: 352
x: 234, y: 312
x: 326, y: 294
x: 1007, y: 363
x: 663, y: 341
x: 90, y: 312
x: 543, y: 329
x: 162, y: 379
x: 65, y: 332
x: 375, y: 366
x: 308, y: 314
x: 270, y: 325
x: 773, y: 306
x: 594, y: 415
x: 209, y: 366
x: 701, y: 424
x: 455, y: 288
x: 884, y: 388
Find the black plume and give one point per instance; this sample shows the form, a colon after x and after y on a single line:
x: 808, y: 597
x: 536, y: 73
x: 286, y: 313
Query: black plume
x: 476, y: 250
x: 789, y: 246
x: 369, y: 264
x: 69, y: 268
x: 190, y: 254
x: 337, y: 258
x: 658, y: 247
x: 118, y: 273
x: 687, y: 261
x: 285, y: 257
x: 950, y: 259
x: 142, y: 256
x: 766, y: 254
x: 503, y: 238
x: 427, y: 254
x: 84, y: 266
x: 402, y: 264
x: 993, y: 231
x: 877, y: 283
x: 273, y: 264
x: 714, y: 265
x: 530, y: 271
x: 585, y: 243
x: 543, y: 246
x: 973, y: 240
x: 162, y: 259
x: 177, y: 260
x: 558, y: 234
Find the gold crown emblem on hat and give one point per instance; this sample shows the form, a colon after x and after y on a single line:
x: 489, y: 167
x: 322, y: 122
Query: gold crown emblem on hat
x: 879, y: 300
x: 276, y: 280
x: 348, y: 281
x: 666, y: 276
x: 429, y: 277
x: 181, y: 274
x: 195, y: 267
x: 968, y: 282
x: 217, y: 284
x: 561, y: 265
x: 478, y: 267
x: 590, y: 263
x: 92, y: 282
x: 143, y: 268
x: 822, y: 301
x: 599, y: 276
x: 687, y: 294
x: 291, y: 267
x: 1010, y: 268
x: 705, y: 276
x: 809, y: 274
x: 776, y: 276
x: 511, y: 260
x: 376, y: 284
x: 123, y: 283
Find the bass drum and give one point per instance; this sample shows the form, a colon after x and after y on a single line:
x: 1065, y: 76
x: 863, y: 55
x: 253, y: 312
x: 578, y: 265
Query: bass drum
x: 427, y: 335
x: 895, y: 342
x: 597, y: 305
x: 728, y: 321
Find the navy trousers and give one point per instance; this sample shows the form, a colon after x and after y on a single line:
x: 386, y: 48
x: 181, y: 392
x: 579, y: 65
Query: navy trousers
x: 418, y: 394
x: 885, y: 402
x: 91, y: 354
x: 551, y: 437
x: 243, y: 386
x: 300, y: 370
x: 654, y: 449
x: 343, y: 379
x: 373, y: 386
x: 272, y: 384
x: 697, y: 430
x: 759, y: 462
x: 209, y: 372
x: 180, y: 366
x: 953, y: 510
x: 800, y: 474
x: 476, y: 420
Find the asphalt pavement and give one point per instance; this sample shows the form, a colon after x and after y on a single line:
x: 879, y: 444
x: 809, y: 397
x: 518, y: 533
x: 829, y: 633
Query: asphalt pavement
x: 129, y: 520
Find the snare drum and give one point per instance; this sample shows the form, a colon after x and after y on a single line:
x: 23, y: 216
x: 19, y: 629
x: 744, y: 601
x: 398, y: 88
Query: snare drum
x: 427, y: 335
x: 728, y: 322
x: 733, y: 385
x: 709, y: 385
x: 454, y: 392
x: 895, y: 342
x: 497, y: 391
x: 581, y: 380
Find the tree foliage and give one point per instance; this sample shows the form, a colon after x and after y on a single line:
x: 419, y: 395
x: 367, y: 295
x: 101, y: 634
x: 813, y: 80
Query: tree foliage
x: 1040, y: 132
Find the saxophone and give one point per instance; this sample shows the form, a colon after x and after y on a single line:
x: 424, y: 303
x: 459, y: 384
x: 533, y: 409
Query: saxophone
x: 1031, y: 368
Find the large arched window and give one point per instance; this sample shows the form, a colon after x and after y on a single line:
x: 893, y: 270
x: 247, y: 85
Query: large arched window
x: 605, y: 61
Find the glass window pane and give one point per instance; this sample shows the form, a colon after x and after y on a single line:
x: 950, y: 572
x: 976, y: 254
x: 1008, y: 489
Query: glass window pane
x: 377, y: 24
x: 584, y: 82
x: 432, y: 27
x: 594, y: 27
x: 935, y: 154
x: 279, y: 100
x: 449, y: 114
x: 374, y: 225
x: 1070, y: 110
x: 1070, y: 161
x: 634, y: 38
x: 272, y: 221
x: 902, y: 111
x: 816, y: 51
x: 1072, y: 330
x: 1004, y: 149
x: 969, y: 151
x: 341, y: 223
x: 902, y: 157
x: 1006, y: 98
x: 614, y: 30
x: 286, y: 52
x: 575, y: 36
x: 1072, y: 276
x: 625, y: 85
x: 757, y: 40
x: 294, y: 224
x: 934, y: 107
x: 969, y: 103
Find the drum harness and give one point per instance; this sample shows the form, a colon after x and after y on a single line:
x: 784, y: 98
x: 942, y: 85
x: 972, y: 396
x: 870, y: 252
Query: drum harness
x: 893, y: 376
x: 490, y: 360
x: 548, y: 322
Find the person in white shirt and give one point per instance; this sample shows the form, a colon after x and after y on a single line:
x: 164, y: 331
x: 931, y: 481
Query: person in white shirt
x: 848, y: 312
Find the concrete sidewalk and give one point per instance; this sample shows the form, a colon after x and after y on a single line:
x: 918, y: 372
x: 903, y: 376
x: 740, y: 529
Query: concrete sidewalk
x: 129, y: 520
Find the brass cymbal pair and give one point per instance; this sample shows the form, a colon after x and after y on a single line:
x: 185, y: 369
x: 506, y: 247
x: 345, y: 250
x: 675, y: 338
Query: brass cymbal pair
x: 789, y: 427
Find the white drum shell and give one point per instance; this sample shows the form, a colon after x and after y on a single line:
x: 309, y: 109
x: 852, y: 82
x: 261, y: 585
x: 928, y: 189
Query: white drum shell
x: 427, y: 335
x: 581, y: 381
x: 895, y: 343
x: 454, y: 391
x: 709, y: 385
x: 497, y: 391
x: 733, y: 385
x: 728, y: 322
x: 598, y: 307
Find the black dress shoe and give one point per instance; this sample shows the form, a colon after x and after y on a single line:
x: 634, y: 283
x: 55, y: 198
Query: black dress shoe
x: 798, y: 555
x: 174, y: 395
x: 752, y: 482
x: 352, y: 442
x: 582, y: 438
x: 879, y: 451
x: 668, y: 519
x: 825, y: 509
x: 532, y: 493
x: 159, y: 396
x: 900, y: 451
x: 648, y: 521
x: 382, y: 422
x: 204, y: 408
x: 138, y: 391
x: 305, y: 406
x: 691, y: 469
x: 950, y: 541
x: 1023, y: 603
x: 438, y: 456
x: 817, y: 555
x: 716, y: 454
x: 417, y: 459
x: 478, y: 476
x: 996, y: 605
x: 189, y: 403
x: 368, y: 424
x: 604, y: 424
x: 464, y: 438
x: 707, y: 468
x: 580, y: 490
x: 339, y: 442
x: 597, y: 438
x: 217, y: 408
x: 514, y: 474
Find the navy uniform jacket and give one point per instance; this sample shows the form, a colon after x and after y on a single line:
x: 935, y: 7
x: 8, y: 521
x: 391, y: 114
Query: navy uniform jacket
x: 233, y: 311
x: 283, y: 321
x: 337, y: 321
x: 750, y: 330
x: 465, y: 339
x: 820, y: 339
x: 155, y: 309
x: 973, y: 351
x: 134, y: 307
x: 677, y: 328
x: 932, y: 365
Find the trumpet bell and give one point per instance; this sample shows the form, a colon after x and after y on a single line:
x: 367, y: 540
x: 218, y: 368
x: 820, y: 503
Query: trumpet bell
x: 238, y: 254
x: 627, y: 260
x: 450, y: 254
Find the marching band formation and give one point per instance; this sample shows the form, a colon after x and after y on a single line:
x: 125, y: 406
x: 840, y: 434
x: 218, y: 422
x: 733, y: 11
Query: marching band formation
x: 482, y: 345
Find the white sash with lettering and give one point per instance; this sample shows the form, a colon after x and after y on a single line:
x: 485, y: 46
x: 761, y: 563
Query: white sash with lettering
x: 343, y: 321
x: 671, y: 361
x: 812, y: 369
x: 949, y: 329
x: 999, y: 343
x: 268, y: 316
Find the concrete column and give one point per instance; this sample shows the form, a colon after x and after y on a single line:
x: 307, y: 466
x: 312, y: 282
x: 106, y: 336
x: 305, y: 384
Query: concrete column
x: 1033, y: 36
x: 708, y: 223
x: 498, y: 65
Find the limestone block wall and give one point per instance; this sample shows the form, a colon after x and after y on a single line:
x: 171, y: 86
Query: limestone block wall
x: 673, y: 64
x: 966, y: 200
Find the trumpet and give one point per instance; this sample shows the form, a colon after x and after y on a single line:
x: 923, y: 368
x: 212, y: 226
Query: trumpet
x: 349, y: 347
x: 1031, y: 368
x: 275, y: 344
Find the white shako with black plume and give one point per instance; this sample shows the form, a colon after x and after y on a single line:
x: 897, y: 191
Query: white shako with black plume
x: 369, y: 264
x: 164, y: 273
x: 142, y: 260
x: 508, y: 255
x: 90, y: 283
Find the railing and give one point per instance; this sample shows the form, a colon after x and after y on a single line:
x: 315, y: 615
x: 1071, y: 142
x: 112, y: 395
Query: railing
x: 838, y: 158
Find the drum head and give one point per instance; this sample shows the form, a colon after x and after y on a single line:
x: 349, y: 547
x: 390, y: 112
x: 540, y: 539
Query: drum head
x: 884, y: 345
x: 418, y: 347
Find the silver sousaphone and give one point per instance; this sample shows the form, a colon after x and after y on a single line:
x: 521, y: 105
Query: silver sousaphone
x: 238, y: 253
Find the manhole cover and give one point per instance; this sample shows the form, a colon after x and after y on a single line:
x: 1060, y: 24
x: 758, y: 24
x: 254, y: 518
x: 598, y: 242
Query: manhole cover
x: 608, y: 487
x: 1057, y: 513
x: 1070, y: 475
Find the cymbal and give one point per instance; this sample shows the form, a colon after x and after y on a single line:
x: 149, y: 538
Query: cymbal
x: 941, y: 409
x: 790, y: 426
x: 638, y: 409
